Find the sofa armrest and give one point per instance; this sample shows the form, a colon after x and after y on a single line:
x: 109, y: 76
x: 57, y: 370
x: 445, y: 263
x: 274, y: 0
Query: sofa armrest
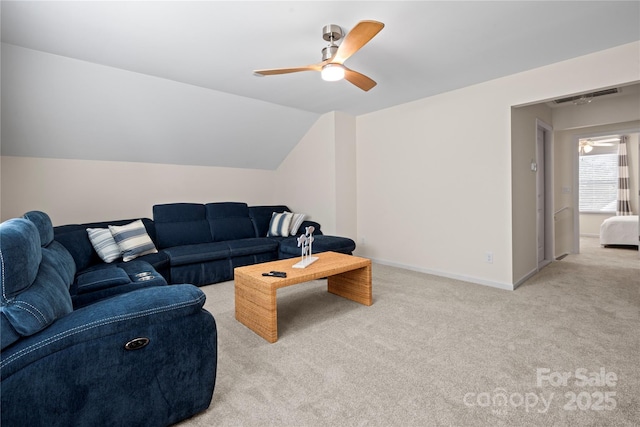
x: 308, y: 223
x: 71, y: 370
x: 121, y: 313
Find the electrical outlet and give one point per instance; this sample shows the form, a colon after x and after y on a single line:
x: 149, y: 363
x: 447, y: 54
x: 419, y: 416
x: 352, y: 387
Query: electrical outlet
x: 488, y: 257
x: 362, y: 241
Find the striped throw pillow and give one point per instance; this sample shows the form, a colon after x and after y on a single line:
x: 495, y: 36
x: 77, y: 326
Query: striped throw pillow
x: 280, y: 223
x: 103, y: 243
x: 133, y: 240
x: 296, y: 222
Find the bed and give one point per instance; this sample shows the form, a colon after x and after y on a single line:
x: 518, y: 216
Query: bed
x: 620, y: 230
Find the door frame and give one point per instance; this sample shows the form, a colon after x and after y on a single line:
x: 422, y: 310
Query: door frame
x: 547, y: 169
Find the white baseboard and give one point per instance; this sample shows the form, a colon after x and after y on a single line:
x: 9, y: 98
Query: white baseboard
x: 526, y: 277
x: 499, y: 285
x: 589, y: 235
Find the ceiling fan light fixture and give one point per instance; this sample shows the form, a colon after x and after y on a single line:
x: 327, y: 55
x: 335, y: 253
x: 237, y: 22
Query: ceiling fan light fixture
x: 333, y: 56
x: 332, y: 72
x: 584, y: 148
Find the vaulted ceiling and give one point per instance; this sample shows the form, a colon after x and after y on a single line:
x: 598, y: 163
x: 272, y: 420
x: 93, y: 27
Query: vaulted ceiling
x: 426, y: 48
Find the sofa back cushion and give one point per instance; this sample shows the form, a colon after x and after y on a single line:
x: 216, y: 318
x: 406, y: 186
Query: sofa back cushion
x: 42, y: 221
x: 20, y: 254
x: 35, y: 280
x: 181, y: 224
x: 52, y: 252
x: 229, y: 221
x: 261, y: 217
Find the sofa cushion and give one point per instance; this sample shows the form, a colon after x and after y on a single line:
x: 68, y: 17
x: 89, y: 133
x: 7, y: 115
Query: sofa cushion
x: 252, y: 246
x: 75, y: 239
x: 133, y: 240
x: 96, y: 280
x: 202, y: 252
x: 229, y: 221
x: 58, y: 256
x: 31, y: 302
x: 181, y: 224
x: 103, y: 243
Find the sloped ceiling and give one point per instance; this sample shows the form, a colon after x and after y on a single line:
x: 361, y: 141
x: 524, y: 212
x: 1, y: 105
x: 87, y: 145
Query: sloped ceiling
x: 426, y: 48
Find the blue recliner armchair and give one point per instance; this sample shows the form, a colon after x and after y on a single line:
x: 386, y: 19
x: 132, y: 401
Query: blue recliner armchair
x: 144, y: 357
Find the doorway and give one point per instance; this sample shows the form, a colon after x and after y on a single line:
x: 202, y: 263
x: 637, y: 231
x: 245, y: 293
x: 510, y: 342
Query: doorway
x: 587, y: 221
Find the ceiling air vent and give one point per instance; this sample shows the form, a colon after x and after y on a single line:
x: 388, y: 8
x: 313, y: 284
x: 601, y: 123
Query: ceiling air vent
x: 586, y: 97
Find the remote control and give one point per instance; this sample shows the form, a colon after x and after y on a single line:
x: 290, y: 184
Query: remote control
x: 275, y: 274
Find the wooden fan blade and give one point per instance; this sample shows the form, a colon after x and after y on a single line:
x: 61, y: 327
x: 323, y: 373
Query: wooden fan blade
x: 358, y: 79
x: 356, y: 38
x: 274, y: 71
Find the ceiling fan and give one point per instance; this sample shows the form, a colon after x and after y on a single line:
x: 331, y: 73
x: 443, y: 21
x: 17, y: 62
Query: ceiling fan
x: 586, y: 145
x: 332, y: 66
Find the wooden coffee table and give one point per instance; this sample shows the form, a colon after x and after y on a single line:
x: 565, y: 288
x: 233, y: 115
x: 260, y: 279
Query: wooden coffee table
x: 348, y: 276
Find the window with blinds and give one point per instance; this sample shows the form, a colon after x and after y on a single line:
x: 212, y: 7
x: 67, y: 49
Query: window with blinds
x: 598, y: 180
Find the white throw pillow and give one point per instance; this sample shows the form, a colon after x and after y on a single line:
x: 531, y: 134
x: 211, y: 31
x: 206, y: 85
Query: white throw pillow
x: 296, y: 222
x: 133, y: 240
x: 103, y: 243
x: 280, y: 223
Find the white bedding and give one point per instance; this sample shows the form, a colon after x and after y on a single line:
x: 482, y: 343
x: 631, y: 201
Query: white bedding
x: 620, y: 230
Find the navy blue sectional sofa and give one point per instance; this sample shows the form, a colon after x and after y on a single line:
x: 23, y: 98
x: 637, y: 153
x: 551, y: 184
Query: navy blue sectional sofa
x: 132, y: 352
x: 197, y: 243
x: 205, y: 242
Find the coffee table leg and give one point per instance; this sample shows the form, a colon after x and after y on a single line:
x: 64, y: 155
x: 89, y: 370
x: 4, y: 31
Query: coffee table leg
x: 354, y: 285
x: 256, y: 309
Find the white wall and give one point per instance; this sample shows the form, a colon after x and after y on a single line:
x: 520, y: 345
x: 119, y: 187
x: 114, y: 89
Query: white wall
x: 77, y: 191
x: 564, y: 152
x: 435, y: 176
x: 305, y: 180
x: 346, y: 176
x: 433, y: 185
x: 318, y: 176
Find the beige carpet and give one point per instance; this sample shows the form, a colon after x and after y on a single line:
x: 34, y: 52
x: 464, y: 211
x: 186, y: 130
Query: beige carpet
x: 435, y: 351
